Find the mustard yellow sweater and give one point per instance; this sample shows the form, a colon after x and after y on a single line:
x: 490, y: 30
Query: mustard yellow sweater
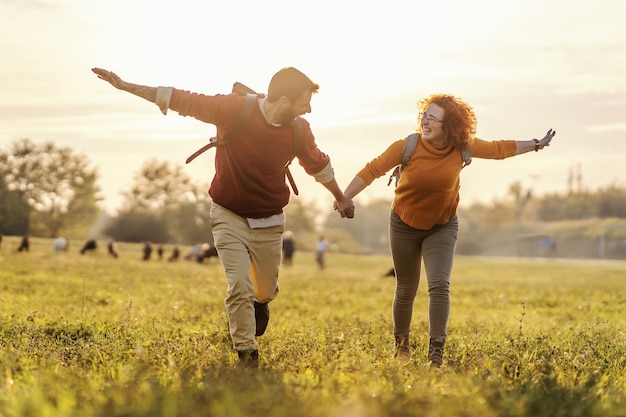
x: 428, y: 191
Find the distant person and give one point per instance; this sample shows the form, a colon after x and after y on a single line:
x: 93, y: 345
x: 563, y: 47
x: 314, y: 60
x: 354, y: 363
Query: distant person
x: 160, y: 251
x: 249, y: 189
x: 208, y: 252
x: 200, y: 252
x: 423, y: 221
x: 175, y: 254
x: 112, y: 248
x: 289, y: 248
x: 60, y: 245
x: 194, y: 252
x: 320, y: 253
x: 146, y: 251
x: 549, y: 245
x: 24, y: 244
x: 90, y: 246
x: 390, y: 273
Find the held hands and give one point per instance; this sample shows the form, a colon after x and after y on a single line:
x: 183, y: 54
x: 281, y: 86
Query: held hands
x: 109, y: 76
x: 345, y: 208
x: 545, y: 141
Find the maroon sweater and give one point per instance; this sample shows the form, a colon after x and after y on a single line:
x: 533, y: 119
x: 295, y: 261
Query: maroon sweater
x: 249, y: 171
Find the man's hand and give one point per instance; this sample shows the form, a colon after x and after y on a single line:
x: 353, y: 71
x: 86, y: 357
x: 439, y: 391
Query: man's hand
x: 143, y: 91
x: 345, y: 207
x: 110, y: 77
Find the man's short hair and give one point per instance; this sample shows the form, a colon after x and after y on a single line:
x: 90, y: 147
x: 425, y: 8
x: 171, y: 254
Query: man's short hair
x: 290, y: 83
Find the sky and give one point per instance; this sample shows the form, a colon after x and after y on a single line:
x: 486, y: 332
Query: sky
x: 525, y: 66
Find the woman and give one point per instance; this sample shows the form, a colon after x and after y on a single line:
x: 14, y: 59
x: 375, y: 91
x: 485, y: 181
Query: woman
x: 423, y: 222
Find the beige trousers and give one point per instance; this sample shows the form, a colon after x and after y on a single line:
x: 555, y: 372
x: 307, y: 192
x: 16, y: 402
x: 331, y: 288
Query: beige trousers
x: 251, y: 260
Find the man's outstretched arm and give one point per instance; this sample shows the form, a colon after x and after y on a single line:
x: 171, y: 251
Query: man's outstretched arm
x: 145, y: 92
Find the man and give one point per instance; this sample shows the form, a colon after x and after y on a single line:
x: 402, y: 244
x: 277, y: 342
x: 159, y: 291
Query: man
x: 249, y: 190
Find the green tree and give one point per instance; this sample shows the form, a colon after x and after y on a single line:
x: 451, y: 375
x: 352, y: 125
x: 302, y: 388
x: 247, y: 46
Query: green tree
x: 137, y: 225
x: 13, y: 212
x: 192, y: 221
x: 54, y: 186
x: 370, y: 226
x: 299, y: 219
x: 612, y: 202
x: 520, y: 198
x: 163, y: 205
x: 160, y: 185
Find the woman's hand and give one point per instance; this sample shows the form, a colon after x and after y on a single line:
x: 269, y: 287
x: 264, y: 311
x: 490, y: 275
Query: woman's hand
x: 345, y: 208
x: 545, y: 141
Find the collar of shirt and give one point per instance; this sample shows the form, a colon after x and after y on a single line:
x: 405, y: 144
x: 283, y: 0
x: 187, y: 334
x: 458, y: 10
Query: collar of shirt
x: 261, y: 102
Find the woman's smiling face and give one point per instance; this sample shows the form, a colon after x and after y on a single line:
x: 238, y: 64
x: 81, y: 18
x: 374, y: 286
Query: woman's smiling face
x: 432, y: 124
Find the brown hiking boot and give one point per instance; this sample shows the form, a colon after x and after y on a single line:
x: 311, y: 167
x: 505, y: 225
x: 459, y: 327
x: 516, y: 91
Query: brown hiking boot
x: 249, y: 358
x: 403, y: 348
x: 435, y: 352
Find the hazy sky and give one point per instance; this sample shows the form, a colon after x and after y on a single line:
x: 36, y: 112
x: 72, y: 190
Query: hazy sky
x: 524, y: 65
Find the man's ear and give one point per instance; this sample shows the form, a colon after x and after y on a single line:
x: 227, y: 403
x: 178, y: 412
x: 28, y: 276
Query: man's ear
x: 284, y: 101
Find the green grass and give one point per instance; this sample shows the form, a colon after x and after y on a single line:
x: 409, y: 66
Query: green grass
x: 94, y: 336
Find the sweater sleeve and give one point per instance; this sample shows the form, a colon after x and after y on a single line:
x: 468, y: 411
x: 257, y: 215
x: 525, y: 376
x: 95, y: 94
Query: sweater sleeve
x: 497, y: 149
x: 311, y: 158
x: 380, y: 165
x: 217, y: 110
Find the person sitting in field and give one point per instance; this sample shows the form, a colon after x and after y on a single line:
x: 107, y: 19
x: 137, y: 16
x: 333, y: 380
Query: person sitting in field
x: 24, y: 244
x: 90, y: 246
x: 112, y: 248
x: 289, y: 248
x: 61, y: 245
x: 390, y: 273
x: 175, y: 254
x: 147, y: 251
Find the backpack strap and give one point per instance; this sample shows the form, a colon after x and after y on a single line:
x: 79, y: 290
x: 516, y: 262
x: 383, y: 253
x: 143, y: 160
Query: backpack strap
x: 297, y: 145
x: 409, y: 147
x: 234, y: 132
x: 297, y: 137
x: 466, y: 154
x: 410, y: 143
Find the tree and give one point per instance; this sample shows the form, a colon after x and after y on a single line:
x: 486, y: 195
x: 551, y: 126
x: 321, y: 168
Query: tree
x: 612, y: 202
x: 137, y: 226
x: 160, y: 185
x: 163, y: 205
x: 55, y: 186
x: 191, y: 221
x: 370, y: 226
x: 520, y: 198
x: 13, y: 212
x: 300, y: 219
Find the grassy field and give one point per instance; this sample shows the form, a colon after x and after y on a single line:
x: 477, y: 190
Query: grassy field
x: 88, y: 335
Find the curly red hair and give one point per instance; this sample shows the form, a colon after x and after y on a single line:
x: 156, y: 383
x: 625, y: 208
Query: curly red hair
x: 459, y: 120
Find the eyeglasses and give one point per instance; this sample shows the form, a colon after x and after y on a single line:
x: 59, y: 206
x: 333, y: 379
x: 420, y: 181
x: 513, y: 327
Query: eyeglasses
x: 429, y: 118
